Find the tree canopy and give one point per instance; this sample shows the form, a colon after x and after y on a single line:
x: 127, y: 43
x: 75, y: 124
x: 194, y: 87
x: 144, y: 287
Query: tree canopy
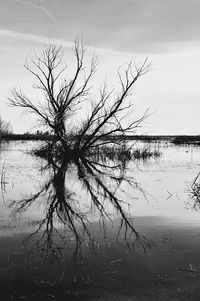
x: 64, y: 95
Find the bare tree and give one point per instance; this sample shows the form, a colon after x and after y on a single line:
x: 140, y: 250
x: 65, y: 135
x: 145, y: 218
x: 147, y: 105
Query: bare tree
x: 106, y: 123
x: 63, y: 97
x: 5, y: 127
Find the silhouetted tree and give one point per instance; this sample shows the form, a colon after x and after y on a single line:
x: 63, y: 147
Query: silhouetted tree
x: 5, y: 127
x: 63, y: 97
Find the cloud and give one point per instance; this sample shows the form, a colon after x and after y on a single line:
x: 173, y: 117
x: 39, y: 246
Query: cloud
x: 67, y: 44
x: 38, y: 6
x: 33, y: 38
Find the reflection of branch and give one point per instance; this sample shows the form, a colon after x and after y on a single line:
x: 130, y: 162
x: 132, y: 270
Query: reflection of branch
x: 100, y: 183
x: 194, y: 192
x: 98, y: 189
x: 3, y: 182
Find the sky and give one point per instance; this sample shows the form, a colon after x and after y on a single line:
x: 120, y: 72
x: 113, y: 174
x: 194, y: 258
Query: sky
x: 165, y: 31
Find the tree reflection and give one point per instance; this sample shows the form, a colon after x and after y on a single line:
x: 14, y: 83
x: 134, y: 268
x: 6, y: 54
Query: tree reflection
x: 194, y: 193
x: 101, y: 180
x: 2, y: 174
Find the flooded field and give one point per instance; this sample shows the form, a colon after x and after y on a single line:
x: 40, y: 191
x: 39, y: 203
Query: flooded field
x: 97, y: 231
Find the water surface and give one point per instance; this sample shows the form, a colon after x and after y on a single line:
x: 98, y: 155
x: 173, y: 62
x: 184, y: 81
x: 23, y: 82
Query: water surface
x: 156, y: 259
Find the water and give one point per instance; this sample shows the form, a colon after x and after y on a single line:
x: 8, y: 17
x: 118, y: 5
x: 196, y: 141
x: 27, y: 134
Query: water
x: 167, y: 182
x: 21, y: 177
x: 163, y: 183
x: 152, y: 198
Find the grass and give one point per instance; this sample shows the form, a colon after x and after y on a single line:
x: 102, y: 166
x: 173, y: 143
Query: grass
x: 114, y: 153
x: 122, y: 153
x: 146, y: 153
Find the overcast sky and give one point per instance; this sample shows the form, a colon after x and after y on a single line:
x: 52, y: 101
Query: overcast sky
x: 167, y: 31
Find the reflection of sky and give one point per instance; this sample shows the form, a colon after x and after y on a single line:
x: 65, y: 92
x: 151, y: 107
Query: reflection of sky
x: 164, y: 182
x: 22, y: 175
x: 167, y: 31
x: 167, y: 181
